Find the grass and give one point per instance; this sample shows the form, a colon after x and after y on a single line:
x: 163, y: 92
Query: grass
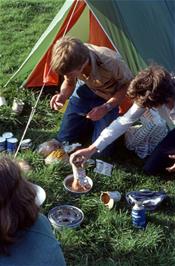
x: 105, y: 238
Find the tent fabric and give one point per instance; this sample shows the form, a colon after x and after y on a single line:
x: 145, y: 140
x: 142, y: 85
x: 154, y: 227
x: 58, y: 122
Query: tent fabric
x: 43, y: 67
x: 142, y: 30
x: 43, y: 43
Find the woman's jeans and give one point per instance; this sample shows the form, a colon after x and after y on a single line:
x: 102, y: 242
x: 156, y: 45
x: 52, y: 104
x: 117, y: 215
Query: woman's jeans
x: 159, y: 160
x: 76, y: 127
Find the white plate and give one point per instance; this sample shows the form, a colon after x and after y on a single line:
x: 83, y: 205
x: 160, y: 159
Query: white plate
x: 40, y: 195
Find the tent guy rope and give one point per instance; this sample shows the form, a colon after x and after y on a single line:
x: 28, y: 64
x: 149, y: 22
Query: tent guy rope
x: 41, y: 91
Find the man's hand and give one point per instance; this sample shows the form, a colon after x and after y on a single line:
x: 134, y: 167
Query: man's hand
x: 171, y: 168
x: 97, y: 113
x: 57, y: 101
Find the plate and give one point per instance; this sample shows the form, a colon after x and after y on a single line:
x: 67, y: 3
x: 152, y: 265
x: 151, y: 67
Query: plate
x: 69, y: 179
x: 65, y: 216
x: 40, y: 195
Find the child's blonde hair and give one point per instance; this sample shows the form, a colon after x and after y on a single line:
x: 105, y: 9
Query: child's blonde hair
x: 68, y: 54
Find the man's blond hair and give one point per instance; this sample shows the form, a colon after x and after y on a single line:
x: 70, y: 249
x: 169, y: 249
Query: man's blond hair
x: 68, y: 54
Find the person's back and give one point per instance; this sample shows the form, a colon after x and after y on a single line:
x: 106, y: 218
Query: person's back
x: 26, y: 237
x: 36, y: 246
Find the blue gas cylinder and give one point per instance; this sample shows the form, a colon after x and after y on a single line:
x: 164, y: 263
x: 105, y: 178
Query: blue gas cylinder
x: 138, y: 215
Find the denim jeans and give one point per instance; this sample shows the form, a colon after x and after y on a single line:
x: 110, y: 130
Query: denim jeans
x: 159, y: 160
x: 75, y: 127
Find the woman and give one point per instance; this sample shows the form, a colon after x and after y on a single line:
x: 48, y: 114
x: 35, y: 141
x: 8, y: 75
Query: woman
x: 26, y: 236
x: 152, y: 87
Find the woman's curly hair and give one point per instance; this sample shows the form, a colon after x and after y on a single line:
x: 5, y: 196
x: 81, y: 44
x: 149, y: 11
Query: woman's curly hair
x: 152, y: 87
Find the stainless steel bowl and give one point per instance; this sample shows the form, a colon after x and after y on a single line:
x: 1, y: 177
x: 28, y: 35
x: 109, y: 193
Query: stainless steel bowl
x: 65, y: 216
x: 69, y: 179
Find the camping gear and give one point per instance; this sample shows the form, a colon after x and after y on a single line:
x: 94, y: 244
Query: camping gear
x: 17, y: 106
x: 79, y: 173
x: 121, y: 25
x: 7, y: 135
x: 47, y: 147
x: 40, y: 195
x: 109, y: 198
x: 12, y: 145
x: 65, y: 216
x: 81, y: 188
x: 25, y: 144
x: 103, y: 168
x: 2, y: 101
x: 150, y: 199
x: 138, y: 214
x: 69, y: 148
x: 56, y: 156
x: 2, y: 144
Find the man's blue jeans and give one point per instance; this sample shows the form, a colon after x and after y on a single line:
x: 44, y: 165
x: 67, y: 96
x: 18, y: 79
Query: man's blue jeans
x: 76, y: 127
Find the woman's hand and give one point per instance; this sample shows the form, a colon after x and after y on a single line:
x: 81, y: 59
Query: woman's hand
x: 171, y: 168
x: 81, y: 156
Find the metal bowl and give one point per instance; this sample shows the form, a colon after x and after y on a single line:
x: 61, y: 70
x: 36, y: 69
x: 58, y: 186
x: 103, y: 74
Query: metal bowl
x: 65, y: 216
x: 68, y: 182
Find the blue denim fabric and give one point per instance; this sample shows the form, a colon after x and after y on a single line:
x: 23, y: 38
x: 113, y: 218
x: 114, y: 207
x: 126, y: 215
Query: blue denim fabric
x: 76, y: 127
x: 159, y: 160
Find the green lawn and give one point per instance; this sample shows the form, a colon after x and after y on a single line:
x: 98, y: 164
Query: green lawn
x: 106, y: 238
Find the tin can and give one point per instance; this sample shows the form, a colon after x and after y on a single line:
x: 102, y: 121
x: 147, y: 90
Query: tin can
x: 11, y: 145
x: 138, y: 215
x: 7, y: 135
x: 2, y: 144
x: 26, y: 144
x: 109, y: 198
x: 17, y: 106
x: 2, y: 101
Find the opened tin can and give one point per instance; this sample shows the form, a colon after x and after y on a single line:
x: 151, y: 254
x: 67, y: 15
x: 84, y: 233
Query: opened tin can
x: 12, y: 145
x: 2, y: 144
x: 26, y: 144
